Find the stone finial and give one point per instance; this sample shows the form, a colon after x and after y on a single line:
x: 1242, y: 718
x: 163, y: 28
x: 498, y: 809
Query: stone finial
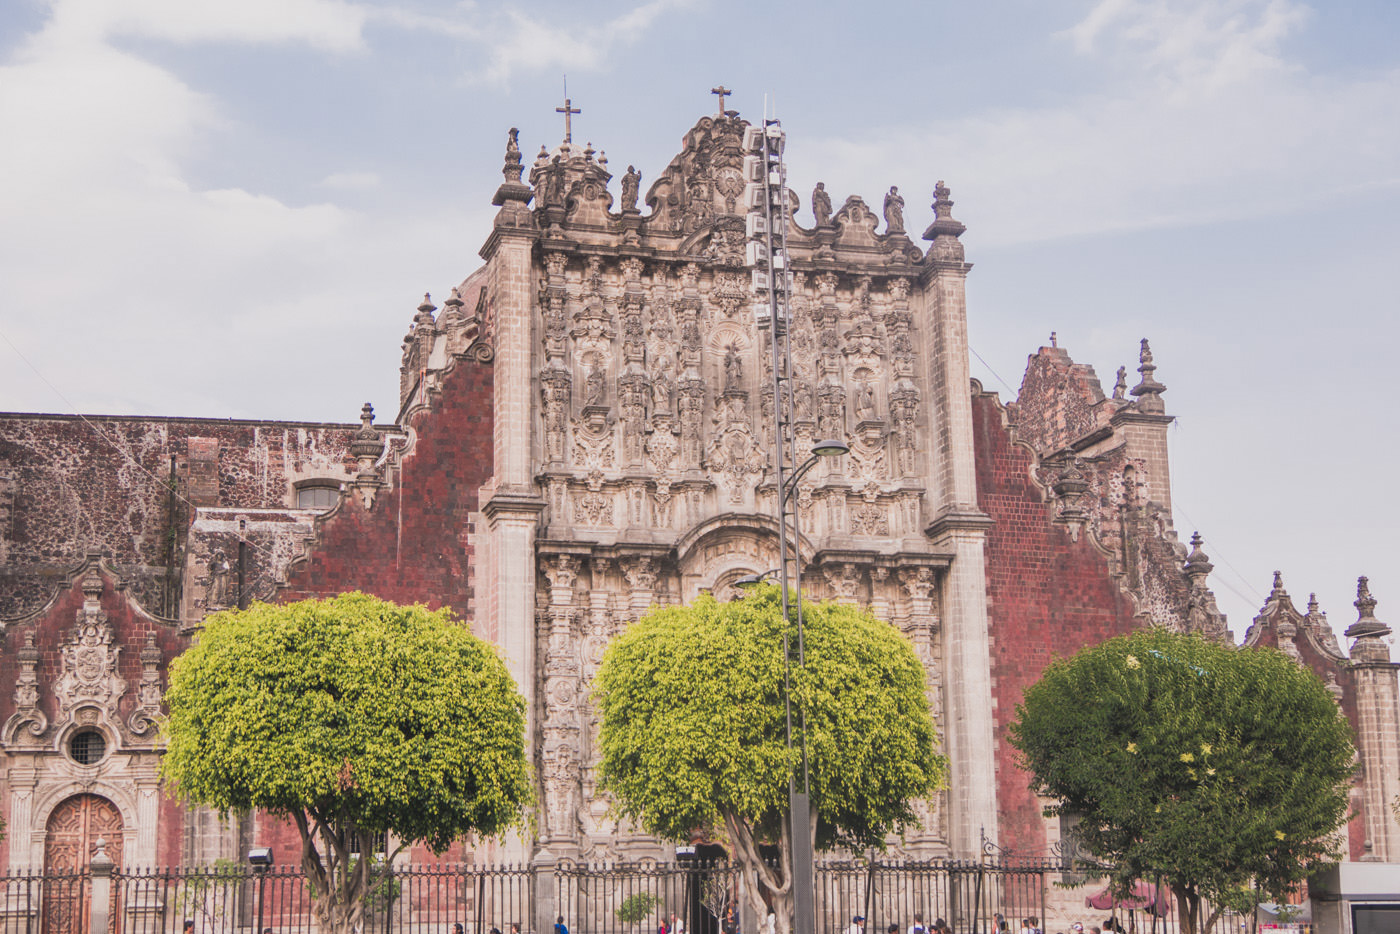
x: 1054, y: 339
x: 101, y: 863
x: 92, y: 585
x: 1278, y: 590
x: 1148, y: 391
x: 1365, y: 603
x: 1366, y: 623
x: 365, y: 446
x: 1197, y: 562
x: 425, y: 310
x: 944, y: 231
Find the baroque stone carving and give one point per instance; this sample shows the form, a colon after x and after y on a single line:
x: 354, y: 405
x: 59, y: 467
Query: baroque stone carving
x: 555, y: 384
x: 148, y: 692
x: 27, y: 713
x: 736, y: 458
x: 90, y: 677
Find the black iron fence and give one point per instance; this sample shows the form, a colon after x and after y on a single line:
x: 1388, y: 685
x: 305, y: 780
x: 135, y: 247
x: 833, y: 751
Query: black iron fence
x: 26, y: 899
x: 608, y: 898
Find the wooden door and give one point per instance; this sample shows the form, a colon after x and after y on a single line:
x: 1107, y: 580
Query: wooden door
x: 74, y: 828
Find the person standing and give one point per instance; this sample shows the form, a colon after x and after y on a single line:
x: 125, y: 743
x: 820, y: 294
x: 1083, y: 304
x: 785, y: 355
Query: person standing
x: 857, y: 925
x: 918, y: 926
x: 729, y: 922
x: 559, y: 927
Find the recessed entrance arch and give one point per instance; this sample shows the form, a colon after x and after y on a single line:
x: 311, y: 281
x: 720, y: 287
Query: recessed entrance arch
x: 717, y: 551
x: 72, y: 832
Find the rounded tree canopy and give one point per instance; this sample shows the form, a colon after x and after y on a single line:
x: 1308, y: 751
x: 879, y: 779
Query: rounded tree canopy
x: 353, y: 709
x: 692, y: 701
x: 1212, y: 765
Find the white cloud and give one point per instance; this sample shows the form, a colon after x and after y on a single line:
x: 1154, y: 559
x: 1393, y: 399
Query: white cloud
x: 108, y: 250
x: 1202, y: 119
x: 514, y: 41
x: 325, y: 24
x: 351, y: 181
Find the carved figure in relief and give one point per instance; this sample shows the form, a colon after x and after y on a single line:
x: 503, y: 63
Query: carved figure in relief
x: 663, y: 501
x: 894, y: 211
x: 631, y: 182
x: 593, y: 384
x: 821, y: 205
x: 865, y: 401
x: 661, y: 383
x: 733, y: 369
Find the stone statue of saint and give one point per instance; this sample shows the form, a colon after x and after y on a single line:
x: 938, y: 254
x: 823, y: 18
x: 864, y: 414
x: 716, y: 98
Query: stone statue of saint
x: 1120, y: 388
x: 894, y: 211
x: 733, y: 370
x: 593, y: 385
x: 661, y: 384
x: 821, y: 205
x: 865, y: 402
x: 631, y: 182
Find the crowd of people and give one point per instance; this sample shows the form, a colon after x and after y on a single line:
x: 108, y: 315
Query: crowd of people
x: 729, y: 924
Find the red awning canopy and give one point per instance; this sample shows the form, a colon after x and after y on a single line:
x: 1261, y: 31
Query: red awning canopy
x: 1143, y: 897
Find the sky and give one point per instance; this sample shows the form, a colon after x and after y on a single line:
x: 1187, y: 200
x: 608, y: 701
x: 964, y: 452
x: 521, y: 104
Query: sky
x: 232, y: 209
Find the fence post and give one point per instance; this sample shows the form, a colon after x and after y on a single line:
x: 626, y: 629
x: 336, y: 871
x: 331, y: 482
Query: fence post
x: 101, y: 868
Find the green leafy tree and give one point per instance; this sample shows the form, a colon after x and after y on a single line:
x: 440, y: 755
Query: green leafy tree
x: 349, y: 716
x: 693, y: 733
x: 1214, y: 768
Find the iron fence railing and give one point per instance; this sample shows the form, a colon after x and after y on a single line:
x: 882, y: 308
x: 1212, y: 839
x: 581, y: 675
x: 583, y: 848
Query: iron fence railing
x: 592, y: 898
x: 28, y: 898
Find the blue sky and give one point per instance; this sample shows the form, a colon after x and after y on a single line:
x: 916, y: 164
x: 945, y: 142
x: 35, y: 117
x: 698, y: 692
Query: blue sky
x: 232, y: 208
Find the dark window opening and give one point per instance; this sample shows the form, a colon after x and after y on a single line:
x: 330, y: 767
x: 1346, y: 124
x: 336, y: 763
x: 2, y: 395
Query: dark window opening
x: 88, y: 747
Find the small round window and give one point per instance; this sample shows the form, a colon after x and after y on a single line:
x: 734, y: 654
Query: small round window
x: 87, y: 747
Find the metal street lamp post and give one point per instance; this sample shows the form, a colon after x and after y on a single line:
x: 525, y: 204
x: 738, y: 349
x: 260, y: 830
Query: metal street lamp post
x: 769, y: 203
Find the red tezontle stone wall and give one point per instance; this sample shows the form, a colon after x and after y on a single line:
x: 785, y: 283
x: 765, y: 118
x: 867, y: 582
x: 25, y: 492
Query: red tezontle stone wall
x: 1047, y: 596
x: 415, y: 545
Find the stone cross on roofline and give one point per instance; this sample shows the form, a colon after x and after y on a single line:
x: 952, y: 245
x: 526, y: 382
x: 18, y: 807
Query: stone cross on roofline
x: 721, y: 92
x: 568, y: 110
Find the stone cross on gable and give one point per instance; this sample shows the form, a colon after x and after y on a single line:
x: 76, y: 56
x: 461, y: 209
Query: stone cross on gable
x: 568, y: 110
x: 721, y: 91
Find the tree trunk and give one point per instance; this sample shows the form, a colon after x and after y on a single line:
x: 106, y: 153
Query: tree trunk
x: 334, y: 917
x: 1188, y: 909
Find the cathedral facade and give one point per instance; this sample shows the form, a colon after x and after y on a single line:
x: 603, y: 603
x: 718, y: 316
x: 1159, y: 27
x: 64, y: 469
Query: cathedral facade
x: 584, y: 430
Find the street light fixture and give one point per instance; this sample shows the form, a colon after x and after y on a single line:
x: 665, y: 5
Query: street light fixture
x: 771, y: 207
x: 260, y: 858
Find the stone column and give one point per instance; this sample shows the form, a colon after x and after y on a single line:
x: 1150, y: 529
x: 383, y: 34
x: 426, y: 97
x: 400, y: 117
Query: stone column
x: 1377, y: 727
x: 23, y: 780
x: 958, y: 529
x: 921, y: 625
x: 560, y: 754
x: 510, y: 501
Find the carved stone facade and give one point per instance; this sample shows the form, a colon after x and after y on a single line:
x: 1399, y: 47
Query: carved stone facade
x: 584, y: 430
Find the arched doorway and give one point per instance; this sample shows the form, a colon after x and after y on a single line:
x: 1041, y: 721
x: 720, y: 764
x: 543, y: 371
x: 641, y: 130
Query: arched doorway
x: 73, y: 830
